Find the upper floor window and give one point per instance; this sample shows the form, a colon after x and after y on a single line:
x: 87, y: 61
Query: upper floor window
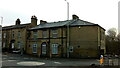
x: 19, y: 35
x: 102, y: 35
x: 12, y: 34
x: 28, y: 34
x: 44, y: 33
x: 35, y: 34
x: 54, y: 33
x: 4, y: 35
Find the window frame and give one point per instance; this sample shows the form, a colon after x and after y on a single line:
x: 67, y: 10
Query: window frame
x: 35, y: 34
x: 19, y: 34
x: 13, y: 35
x: 4, y: 35
x: 34, y: 46
x: 55, y: 48
x: 44, y: 33
x: 19, y: 45
x: 54, y: 33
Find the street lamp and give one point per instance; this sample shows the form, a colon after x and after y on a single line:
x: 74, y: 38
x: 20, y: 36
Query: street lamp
x: 67, y: 9
x: 68, y: 30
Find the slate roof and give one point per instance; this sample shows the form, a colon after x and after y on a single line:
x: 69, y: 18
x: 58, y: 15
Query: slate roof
x: 75, y: 22
x: 15, y: 26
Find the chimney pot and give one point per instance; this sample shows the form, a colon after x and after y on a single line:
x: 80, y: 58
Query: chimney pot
x: 18, y: 21
x: 75, y: 16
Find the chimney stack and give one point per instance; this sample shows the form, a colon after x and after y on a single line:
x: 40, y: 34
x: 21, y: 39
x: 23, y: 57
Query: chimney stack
x: 42, y: 22
x: 34, y: 21
x: 75, y: 16
x: 18, y: 21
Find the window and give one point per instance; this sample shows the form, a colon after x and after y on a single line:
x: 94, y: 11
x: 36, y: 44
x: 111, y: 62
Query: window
x: 13, y: 35
x: 0, y: 35
x: 19, y: 35
x: 28, y: 35
x: 12, y: 45
x: 54, y: 33
x: 35, y: 34
x: 4, y: 35
x: 34, y: 48
x: 54, y: 48
x: 102, y: 35
x: 3, y: 44
x: 44, y: 33
x: 19, y: 45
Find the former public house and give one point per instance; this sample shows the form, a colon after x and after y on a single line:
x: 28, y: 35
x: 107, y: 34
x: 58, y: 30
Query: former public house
x: 73, y: 38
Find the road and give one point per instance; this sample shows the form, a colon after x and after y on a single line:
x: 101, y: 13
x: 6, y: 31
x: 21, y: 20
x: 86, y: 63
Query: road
x: 26, y: 60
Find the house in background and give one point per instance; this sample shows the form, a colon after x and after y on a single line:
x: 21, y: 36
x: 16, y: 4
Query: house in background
x: 14, y: 37
x: 71, y: 38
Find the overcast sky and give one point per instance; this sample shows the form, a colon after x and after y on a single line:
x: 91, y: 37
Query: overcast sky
x: 102, y: 12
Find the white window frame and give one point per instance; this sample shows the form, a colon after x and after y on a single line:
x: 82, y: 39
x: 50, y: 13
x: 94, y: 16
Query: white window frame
x: 34, y: 46
x: 13, y: 46
x: 55, y: 48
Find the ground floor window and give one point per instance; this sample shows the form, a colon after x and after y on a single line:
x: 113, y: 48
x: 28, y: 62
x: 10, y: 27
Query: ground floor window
x: 12, y: 45
x: 34, y: 48
x: 54, y: 48
x: 19, y: 45
x: 4, y: 45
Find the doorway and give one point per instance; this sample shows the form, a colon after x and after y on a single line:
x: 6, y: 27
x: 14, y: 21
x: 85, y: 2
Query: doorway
x: 43, y: 49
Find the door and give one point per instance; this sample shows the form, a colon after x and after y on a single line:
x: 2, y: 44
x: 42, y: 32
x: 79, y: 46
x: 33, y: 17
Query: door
x: 43, y: 49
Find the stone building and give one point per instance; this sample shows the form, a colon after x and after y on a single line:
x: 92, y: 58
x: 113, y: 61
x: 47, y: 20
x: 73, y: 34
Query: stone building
x: 71, y: 38
x: 14, y: 37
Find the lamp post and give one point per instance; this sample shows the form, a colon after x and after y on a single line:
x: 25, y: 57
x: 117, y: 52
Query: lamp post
x: 67, y: 9
x: 68, y: 30
x: 1, y: 20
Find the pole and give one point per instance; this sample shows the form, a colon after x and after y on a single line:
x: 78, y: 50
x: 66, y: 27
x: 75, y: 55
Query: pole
x: 1, y: 20
x: 67, y: 10
x: 68, y: 30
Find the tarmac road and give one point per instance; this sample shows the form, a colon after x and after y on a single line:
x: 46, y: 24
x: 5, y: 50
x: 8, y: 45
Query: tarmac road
x: 16, y: 60
x: 25, y: 60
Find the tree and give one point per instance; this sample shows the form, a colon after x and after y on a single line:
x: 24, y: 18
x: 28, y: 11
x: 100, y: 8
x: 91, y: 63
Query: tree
x: 112, y: 32
x: 112, y: 41
x: 118, y: 36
